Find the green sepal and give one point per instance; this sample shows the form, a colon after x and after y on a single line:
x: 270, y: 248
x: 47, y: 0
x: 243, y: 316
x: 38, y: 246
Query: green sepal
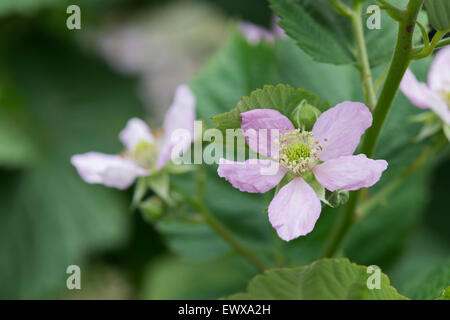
x: 159, y: 183
x: 317, y: 187
x: 288, y: 177
x: 432, y: 124
x: 305, y: 115
x: 140, y: 189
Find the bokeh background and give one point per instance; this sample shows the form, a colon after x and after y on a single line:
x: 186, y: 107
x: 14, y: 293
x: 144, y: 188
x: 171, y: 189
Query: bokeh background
x: 64, y: 92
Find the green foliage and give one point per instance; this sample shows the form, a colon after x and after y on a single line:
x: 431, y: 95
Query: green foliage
x: 395, y: 218
x: 16, y: 146
x: 445, y: 295
x: 27, y: 6
x: 49, y: 217
x: 7, y: 6
x: 312, y: 24
x: 236, y: 70
x: 432, y: 284
x: 337, y: 83
x: 326, y: 279
x: 63, y: 111
x: 327, y: 36
x: 281, y: 97
x: 172, y: 278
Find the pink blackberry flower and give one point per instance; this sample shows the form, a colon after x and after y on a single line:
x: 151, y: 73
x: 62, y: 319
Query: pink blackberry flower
x: 144, y: 153
x: 326, y: 152
x: 435, y: 95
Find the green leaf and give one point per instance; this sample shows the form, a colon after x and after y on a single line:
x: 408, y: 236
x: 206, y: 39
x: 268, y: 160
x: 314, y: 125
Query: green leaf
x: 49, y: 220
x: 7, y: 6
x: 430, y: 285
x: 49, y: 217
x: 333, y: 279
x: 236, y: 70
x: 445, y: 295
x: 327, y: 36
x: 317, y: 29
x: 281, y: 97
x: 17, y: 148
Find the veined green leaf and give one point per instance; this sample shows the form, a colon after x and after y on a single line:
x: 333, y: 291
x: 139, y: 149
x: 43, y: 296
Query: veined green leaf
x: 334, y: 279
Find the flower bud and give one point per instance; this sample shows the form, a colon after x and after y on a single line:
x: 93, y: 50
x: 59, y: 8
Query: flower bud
x: 338, y: 198
x: 438, y: 13
x: 151, y: 209
x: 305, y: 115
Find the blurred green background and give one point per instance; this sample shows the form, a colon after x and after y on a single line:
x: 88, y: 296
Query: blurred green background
x: 64, y: 92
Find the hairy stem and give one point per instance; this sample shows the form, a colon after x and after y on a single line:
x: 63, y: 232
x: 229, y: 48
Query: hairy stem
x: 216, y: 225
x: 363, y: 57
x: 398, y: 67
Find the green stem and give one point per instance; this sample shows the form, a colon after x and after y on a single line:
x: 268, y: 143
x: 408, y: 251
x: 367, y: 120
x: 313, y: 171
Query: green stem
x: 341, y: 8
x: 428, y: 49
x: 398, y: 67
x: 363, y: 57
x: 227, y: 236
x: 440, y: 44
x: 393, y: 11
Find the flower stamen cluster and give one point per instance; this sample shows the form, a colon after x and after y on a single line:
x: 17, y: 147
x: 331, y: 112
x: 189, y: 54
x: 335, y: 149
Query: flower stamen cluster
x: 298, y: 151
x: 145, y: 154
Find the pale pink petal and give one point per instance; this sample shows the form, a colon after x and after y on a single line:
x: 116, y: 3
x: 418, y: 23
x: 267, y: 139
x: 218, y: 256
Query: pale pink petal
x: 262, y: 121
x: 109, y: 170
x: 438, y: 105
x: 340, y: 128
x: 349, y: 172
x: 254, y: 34
x: 439, y: 75
x: 294, y: 210
x: 251, y: 176
x: 414, y: 90
x: 276, y: 29
x: 135, y: 132
x: 181, y: 115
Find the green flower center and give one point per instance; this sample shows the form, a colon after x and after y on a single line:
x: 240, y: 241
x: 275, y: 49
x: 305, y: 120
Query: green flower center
x: 447, y: 98
x: 298, y: 151
x: 145, y: 154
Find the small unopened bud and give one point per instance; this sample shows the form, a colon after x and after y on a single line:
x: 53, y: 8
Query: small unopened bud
x: 438, y: 14
x: 151, y: 209
x: 305, y: 115
x: 338, y: 198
